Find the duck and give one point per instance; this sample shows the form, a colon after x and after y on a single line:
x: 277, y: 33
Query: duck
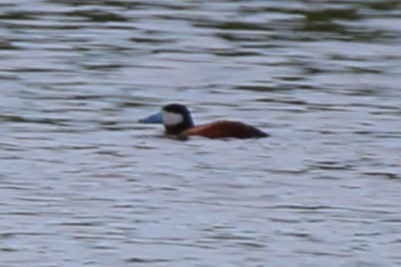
x: 178, y: 122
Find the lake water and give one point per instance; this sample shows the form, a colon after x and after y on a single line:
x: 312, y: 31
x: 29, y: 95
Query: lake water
x: 83, y: 184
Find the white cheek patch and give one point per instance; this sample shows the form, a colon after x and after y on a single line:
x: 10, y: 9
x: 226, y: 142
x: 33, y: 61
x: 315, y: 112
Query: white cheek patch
x: 171, y: 119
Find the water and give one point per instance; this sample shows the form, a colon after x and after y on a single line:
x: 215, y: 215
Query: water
x: 83, y: 184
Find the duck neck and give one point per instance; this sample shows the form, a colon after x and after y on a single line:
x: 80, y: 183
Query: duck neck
x: 179, y: 128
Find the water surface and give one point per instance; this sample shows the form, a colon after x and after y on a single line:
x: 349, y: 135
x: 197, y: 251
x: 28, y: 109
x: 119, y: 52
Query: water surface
x: 83, y: 184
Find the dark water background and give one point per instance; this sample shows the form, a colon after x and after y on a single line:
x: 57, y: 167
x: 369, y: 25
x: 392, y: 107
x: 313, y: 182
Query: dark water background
x: 83, y: 184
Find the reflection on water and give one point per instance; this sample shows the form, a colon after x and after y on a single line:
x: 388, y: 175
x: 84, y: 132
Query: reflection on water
x: 83, y: 184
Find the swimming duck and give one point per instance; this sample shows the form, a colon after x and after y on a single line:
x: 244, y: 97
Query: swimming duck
x: 178, y: 121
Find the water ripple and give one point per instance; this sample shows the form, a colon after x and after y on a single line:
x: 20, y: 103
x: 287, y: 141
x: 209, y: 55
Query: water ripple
x: 84, y: 184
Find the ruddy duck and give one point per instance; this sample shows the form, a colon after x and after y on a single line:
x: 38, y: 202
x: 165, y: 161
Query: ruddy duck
x: 177, y: 121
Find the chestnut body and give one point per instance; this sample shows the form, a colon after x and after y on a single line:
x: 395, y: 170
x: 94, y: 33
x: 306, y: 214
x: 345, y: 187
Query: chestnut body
x: 225, y: 129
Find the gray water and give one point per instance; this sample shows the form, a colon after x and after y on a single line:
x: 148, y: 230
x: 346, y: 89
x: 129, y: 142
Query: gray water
x: 83, y: 184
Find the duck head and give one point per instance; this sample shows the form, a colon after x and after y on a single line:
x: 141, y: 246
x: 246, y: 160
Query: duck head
x: 176, y: 118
